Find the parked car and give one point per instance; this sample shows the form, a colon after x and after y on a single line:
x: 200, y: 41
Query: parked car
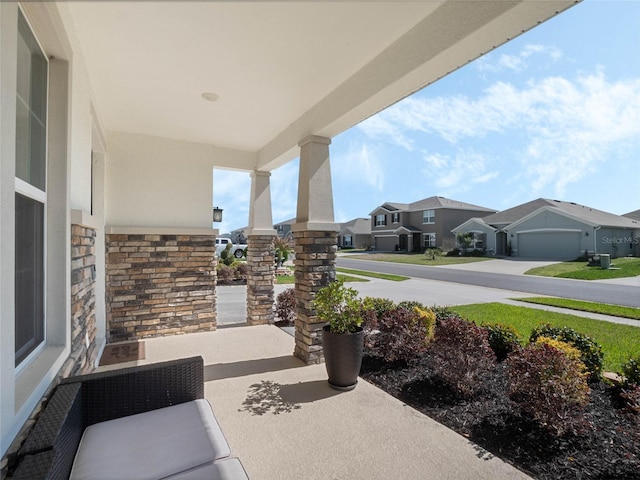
x: 237, y: 249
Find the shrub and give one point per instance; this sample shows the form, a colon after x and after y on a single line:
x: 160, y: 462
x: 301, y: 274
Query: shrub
x: 454, y: 253
x: 378, y: 305
x: 503, y: 339
x: 566, y: 348
x: 443, y: 313
x: 433, y: 253
x: 549, y: 387
x: 241, y: 269
x: 286, y: 306
x: 460, y: 355
x: 631, y: 398
x: 411, y: 304
x: 631, y: 372
x: 401, y: 334
x: 225, y: 273
x: 591, y: 352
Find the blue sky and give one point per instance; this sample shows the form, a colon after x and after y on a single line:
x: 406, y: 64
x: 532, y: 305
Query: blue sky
x: 555, y: 113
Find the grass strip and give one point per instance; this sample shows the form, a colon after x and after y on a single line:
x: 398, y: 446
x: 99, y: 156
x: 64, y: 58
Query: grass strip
x: 364, y: 273
x: 579, y: 270
x: 603, y: 308
x: 290, y: 279
x: 619, y: 342
x: 416, y: 259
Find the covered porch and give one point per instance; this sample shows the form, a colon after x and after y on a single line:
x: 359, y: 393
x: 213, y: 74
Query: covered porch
x: 119, y: 112
x: 283, y: 420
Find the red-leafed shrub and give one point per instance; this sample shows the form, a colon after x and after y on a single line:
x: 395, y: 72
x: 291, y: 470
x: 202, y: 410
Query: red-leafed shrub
x: 460, y: 355
x: 225, y: 273
x: 399, y: 333
x: 630, y: 395
x: 286, y: 306
x: 549, y: 386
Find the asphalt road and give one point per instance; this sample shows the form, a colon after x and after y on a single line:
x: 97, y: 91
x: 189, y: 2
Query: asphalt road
x: 557, y: 287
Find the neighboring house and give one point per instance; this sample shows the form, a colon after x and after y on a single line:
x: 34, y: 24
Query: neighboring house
x: 355, y: 233
x: 635, y: 215
x: 283, y: 229
x: 554, y: 229
x: 419, y: 225
x: 238, y: 235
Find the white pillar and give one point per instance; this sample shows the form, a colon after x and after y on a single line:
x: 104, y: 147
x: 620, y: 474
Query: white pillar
x: 315, y: 194
x: 260, y: 216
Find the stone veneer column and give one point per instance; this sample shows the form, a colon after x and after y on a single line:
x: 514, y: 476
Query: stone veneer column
x: 160, y: 284
x: 315, y: 267
x: 260, y: 278
x: 84, y: 350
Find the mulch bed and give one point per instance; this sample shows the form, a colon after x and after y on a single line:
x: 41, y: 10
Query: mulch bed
x: 609, y: 449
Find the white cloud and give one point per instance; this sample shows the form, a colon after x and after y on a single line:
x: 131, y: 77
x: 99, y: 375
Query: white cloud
x: 566, y: 128
x: 456, y: 174
x: 359, y: 164
x: 516, y: 62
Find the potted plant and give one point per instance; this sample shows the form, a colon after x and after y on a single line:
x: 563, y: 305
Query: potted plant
x: 342, y: 336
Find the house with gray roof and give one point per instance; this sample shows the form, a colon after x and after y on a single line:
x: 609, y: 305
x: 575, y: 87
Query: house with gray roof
x: 355, y: 233
x: 553, y: 229
x: 427, y: 223
x: 635, y: 215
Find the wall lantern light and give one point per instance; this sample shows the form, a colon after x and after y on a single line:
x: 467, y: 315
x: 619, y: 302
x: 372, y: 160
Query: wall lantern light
x: 586, y: 234
x: 217, y: 214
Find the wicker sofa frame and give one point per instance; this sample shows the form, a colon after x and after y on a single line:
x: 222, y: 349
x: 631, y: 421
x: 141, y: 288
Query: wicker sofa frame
x: 79, y: 402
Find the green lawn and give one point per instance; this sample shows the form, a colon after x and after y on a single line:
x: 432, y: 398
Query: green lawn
x: 619, y: 342
x: 290, y: 279
x: 603, y: 308
x: 416, y: 258
x: 621, y: 267
x: 364, y: 273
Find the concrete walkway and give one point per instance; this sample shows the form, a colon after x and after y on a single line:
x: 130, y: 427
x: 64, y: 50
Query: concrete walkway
x: 284, y: 422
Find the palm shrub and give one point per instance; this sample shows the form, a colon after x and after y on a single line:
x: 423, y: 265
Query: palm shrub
x: 460, y: 355
x: 503, y: 339
x: 286, y: 306
x: 549, y: 386
x: 590, y: 351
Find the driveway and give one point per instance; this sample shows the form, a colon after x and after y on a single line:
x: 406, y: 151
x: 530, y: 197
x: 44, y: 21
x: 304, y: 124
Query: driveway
x: 511, y: 266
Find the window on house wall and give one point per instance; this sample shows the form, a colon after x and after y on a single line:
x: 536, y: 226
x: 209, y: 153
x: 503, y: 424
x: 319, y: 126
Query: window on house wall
x: 381, y: 220
x: 30, y: 192
x: 429, y: 216
x: 395, y: 217
x: 429, y: 240
x: 348, y: 241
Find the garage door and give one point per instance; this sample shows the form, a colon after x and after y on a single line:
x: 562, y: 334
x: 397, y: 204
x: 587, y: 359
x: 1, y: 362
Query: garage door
x: 553, y: 245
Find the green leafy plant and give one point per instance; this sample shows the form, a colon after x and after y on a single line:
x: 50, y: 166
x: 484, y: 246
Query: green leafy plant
x: 282, y: 251
x: 549, y: 387
x: 433, y: 253
x: 591, y: 352
x: 631, y: 372
x: 340, y: 307
x: 226, y: 256
x: 503, y: 339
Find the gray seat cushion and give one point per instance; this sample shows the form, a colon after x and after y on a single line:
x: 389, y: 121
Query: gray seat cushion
x: 151, y: 445
x: 225, y: 469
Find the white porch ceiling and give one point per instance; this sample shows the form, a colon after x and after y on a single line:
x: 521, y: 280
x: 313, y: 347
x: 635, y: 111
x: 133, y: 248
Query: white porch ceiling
x: 282, y: 70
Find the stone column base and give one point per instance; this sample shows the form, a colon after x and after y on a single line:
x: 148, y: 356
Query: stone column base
x: 315, y: 267
x: 260, y: 278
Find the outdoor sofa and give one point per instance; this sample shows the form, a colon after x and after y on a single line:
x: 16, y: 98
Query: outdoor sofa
x: 144, y: 422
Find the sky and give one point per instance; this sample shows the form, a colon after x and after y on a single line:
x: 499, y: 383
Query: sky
x: 555, y: 113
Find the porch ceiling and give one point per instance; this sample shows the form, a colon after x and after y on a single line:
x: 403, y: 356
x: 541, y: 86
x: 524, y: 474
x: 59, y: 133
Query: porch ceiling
x: 282, y: 70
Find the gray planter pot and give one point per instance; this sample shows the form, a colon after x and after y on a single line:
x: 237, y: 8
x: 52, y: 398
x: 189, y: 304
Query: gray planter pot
x: 342, y: 357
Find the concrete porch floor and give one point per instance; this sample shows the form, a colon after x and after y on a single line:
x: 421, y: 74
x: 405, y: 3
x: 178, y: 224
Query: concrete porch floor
x: 283, y: 421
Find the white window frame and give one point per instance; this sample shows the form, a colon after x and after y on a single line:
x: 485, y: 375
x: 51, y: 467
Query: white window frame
x: 381, y: 220
x: 347, y: 241
x: 34, y: 193
x: 395, y: 217
x: 428, y: 216
x: 429, y: 240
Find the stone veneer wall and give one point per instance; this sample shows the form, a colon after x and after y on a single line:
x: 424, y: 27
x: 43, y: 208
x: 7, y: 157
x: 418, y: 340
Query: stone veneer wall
x: 84, y: 350
x: 159, y: 285
x: 315, y: 267
x: 260, y: 278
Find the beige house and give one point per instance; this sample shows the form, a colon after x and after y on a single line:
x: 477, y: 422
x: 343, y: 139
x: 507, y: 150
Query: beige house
x: 355, y: 233
x: 114, y: 115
